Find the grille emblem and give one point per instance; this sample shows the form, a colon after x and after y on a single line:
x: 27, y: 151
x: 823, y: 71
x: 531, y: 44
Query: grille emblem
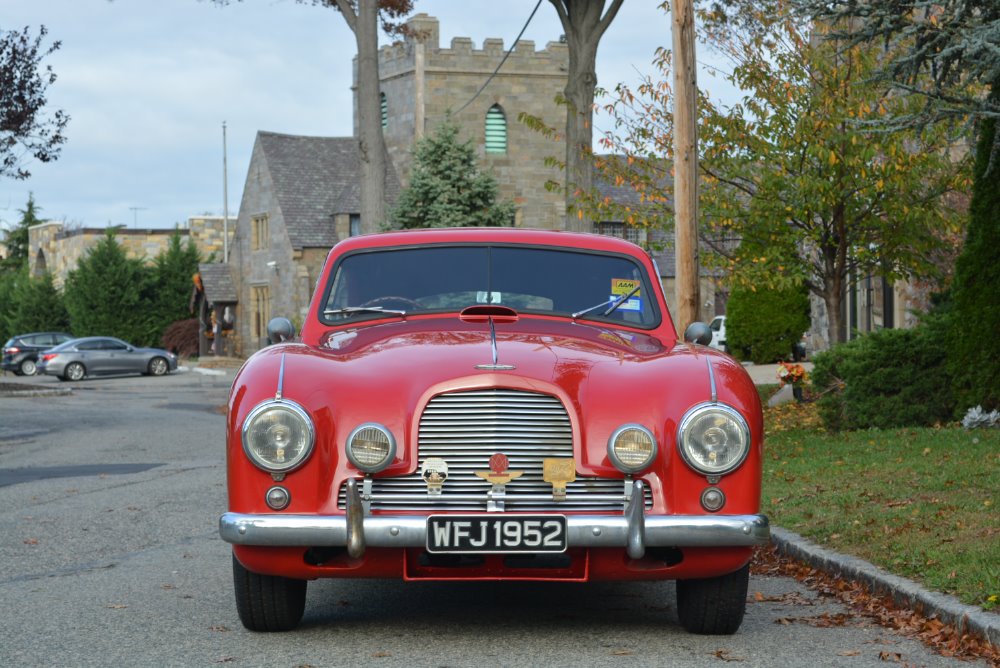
x: 498, y: 473
x: 434, y: 472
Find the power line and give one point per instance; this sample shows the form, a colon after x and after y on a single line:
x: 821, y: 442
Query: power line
x: 505, y: 56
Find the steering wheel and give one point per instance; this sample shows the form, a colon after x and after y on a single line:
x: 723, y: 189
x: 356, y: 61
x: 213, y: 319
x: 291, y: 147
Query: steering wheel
x: 388, y: 299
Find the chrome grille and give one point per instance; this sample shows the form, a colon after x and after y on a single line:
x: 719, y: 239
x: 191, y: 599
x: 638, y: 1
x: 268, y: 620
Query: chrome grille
x: 467, y: 428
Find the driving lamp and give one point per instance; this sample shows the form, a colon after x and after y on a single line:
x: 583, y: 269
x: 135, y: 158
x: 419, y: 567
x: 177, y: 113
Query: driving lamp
x: 278, y: 436
x: 713, y: 438
x: 631, y: 448
x: 371, y: 447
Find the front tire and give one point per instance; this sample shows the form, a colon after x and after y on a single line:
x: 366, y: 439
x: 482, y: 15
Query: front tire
x: 268, y: 602
x: 74, y: 371
x: 27, y: 368
x: 157, y: 366
x: 713, y: 606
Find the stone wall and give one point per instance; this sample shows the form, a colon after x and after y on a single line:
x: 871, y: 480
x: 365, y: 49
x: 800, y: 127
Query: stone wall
x: 56, y: 248
x: 423, y: 83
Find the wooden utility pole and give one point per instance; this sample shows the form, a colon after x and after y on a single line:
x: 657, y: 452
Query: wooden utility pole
x: 685, y: 164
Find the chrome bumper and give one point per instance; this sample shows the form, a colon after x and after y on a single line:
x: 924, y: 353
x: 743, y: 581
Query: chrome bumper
x: 633, y: 530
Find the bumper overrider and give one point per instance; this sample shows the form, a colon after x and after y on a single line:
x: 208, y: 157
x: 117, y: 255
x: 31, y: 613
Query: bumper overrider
x: 633, y: 530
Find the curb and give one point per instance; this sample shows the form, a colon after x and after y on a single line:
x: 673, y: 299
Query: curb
x: 905, y: 593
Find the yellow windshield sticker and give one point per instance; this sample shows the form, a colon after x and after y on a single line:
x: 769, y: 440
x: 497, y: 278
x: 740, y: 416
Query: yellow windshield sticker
x: 623, y: 286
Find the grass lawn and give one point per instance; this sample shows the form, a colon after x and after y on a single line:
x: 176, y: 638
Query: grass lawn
x: 920, y: 502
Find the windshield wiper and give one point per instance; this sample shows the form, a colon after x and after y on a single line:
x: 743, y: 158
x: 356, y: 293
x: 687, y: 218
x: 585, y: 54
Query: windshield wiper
x: 618, y: 302
x: 347, y: 310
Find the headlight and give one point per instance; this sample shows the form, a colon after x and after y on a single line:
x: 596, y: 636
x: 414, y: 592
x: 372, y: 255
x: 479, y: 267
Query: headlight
x: 278, y: 436
x: 371, y: 447
x: 631, y: 448
x: 713, y: 438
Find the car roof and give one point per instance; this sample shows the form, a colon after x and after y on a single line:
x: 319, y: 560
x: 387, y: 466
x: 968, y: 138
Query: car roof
x: 499, y: 235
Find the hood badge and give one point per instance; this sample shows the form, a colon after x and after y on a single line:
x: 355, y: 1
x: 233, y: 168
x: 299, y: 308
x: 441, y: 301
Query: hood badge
x: 558, y: 471
x: 434, y: 472
x: 498, y: 473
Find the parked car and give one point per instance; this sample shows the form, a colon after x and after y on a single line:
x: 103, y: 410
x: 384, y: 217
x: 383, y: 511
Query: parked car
x: 500, y: 404
x: 718, y: 326
x: 20, y: 353
x: 101, y: 355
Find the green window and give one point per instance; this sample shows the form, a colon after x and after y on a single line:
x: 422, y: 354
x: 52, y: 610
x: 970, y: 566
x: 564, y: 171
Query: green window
x: 496, y: 130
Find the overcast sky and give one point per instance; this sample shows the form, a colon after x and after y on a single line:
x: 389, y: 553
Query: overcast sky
x: 148, y: 84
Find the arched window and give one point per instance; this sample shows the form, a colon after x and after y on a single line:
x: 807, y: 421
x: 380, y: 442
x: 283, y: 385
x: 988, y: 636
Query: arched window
x: 496, y: 130
x: 40, y: 264
x: 385, y: 110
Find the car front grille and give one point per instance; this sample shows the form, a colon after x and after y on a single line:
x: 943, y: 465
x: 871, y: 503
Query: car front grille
x: 466, y: 428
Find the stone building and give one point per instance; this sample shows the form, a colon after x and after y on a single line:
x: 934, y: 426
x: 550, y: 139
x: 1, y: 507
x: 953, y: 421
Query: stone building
x: 302, y: 194
x: 55, y: 247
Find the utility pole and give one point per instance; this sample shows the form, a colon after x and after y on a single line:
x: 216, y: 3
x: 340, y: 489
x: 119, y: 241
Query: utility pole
x: 135, y: 215
x: 225, y: 200
x: 685, y: 164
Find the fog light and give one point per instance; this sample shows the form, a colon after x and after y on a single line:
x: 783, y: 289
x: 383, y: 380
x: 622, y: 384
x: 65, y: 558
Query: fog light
x: 371, y: 447
x: 631, y: 448
x: 277, y: 498
x: 712, y: 499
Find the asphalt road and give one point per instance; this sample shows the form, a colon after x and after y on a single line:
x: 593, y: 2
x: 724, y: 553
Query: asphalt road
x: 109, y: 555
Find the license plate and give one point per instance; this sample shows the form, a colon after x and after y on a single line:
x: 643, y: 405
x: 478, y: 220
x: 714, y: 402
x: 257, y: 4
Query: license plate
x: 472, y: 534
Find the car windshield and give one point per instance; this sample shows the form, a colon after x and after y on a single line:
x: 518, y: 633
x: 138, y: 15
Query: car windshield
x: 528, y: 279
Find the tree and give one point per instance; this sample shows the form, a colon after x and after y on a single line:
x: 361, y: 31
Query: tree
x: 25, y: 130
x: 795, y: 187
x: 37, y: 306
x: 171, y: 276
x: 17, y: 238
x: 765, y: 325
x: 108, y: 294
x: 974, y: 361
x: 584, y: 22
x: 446, y: 187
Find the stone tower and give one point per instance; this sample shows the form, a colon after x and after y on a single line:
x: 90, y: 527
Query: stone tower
x: 422, y: 82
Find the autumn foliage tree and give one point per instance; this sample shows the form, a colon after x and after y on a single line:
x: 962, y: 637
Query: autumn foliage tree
x: 796, y: 187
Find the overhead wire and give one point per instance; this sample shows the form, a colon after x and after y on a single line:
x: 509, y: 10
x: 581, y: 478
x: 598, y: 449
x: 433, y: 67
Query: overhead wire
x: 504, y: 60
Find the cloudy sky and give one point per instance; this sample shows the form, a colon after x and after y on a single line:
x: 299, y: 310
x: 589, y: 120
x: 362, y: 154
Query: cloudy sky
x: 148, y: 84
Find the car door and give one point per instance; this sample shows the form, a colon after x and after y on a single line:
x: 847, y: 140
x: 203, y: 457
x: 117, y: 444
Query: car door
x: 120, y: 356
x: 92, y: 355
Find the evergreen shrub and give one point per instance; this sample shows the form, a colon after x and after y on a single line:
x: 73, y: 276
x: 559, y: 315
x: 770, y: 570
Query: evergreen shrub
x: 763, y: 325
x: 886, y: 379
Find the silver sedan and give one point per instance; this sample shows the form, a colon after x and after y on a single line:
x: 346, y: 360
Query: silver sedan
x: 96, y: 355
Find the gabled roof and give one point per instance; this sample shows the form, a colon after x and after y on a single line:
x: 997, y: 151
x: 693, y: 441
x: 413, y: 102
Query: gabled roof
x: 316, y: 178
x: 218, y: 283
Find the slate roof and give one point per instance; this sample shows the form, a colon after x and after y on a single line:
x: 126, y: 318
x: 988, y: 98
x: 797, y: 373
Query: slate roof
x: 314, y: 179
x: 218, y: 283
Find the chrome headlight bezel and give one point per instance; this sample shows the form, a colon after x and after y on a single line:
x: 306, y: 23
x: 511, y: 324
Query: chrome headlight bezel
x: 291, y: 408
x: 684, y: 437
x: 390, y: 453
x: 616, y: 460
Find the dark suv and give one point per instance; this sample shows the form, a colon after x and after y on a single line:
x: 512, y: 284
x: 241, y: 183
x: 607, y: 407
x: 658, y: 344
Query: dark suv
x: 20, y: 353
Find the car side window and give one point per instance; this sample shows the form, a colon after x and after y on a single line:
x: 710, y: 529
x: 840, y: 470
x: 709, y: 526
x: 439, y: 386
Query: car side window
x: 90, y: 345
x: 114, y: 345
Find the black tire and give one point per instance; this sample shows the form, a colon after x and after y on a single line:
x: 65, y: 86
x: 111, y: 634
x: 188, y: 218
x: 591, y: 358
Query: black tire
x: 713, y: 606
x: 157, y: 366
x: 74, y: 371
x: 268, y: 602
x: 27, y: 367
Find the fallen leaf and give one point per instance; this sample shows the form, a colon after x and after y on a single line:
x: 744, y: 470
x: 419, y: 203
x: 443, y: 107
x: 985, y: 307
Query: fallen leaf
x: 30, y: 541
x: 218, y: 627
x: 621, y: 651
x: 724, y: 655
x: 850, y: 652
x: 894, y: 657
x: 379, y: 655
x: 116, y: 606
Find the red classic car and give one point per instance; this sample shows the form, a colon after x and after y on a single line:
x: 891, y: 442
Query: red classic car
x: 492, y: 404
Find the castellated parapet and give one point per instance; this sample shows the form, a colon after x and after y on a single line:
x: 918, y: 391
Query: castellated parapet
x: 56, y: 248
x: 423, y: 83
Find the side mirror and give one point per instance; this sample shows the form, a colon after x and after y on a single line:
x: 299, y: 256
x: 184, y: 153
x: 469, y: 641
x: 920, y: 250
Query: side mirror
x: 280, y: 330
x: 698, y: 332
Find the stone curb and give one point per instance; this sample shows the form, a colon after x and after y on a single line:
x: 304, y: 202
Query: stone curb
x: 30, y: 392
x: 905, y: 593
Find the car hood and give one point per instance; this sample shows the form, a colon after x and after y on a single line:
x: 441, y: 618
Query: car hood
x: 388, y: 372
